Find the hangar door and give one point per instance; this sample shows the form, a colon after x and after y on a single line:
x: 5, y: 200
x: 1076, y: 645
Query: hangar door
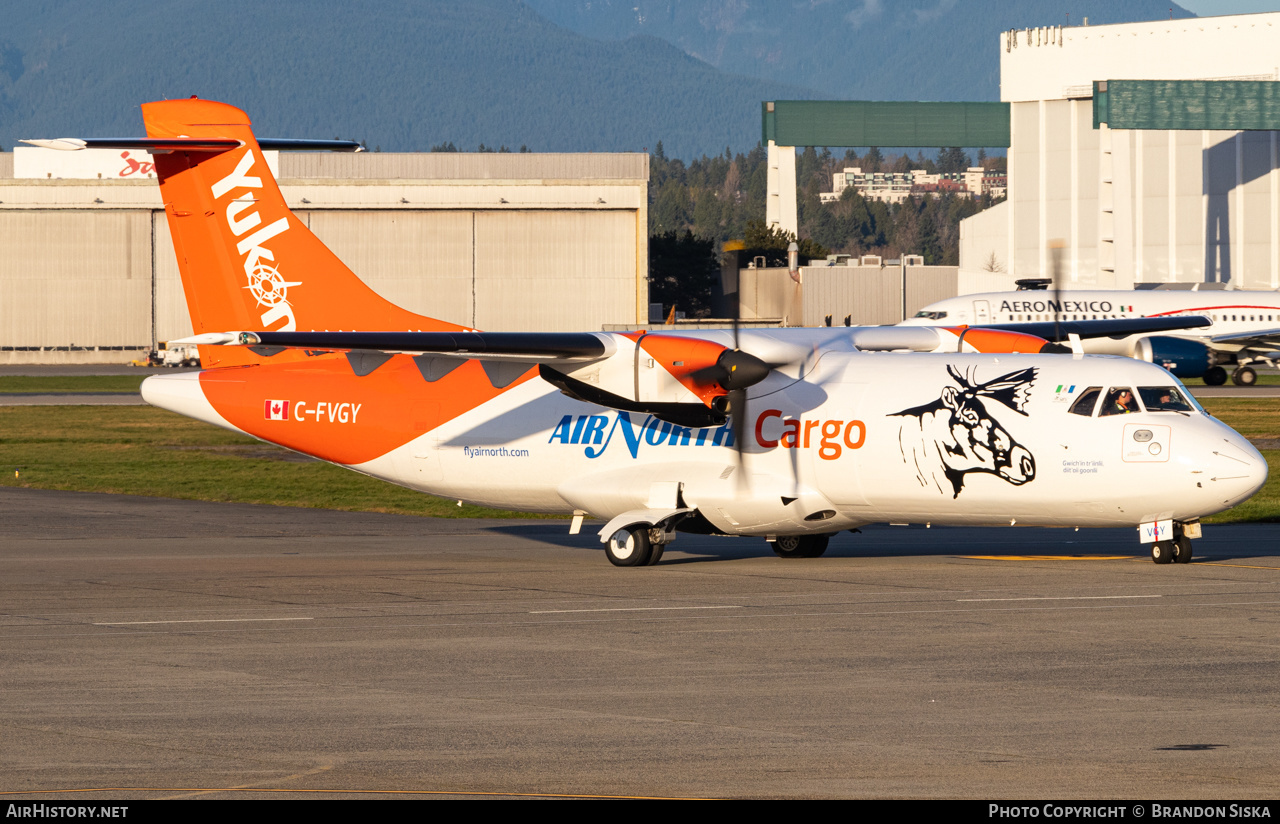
x: 75, y: 278
x: 501, y: 271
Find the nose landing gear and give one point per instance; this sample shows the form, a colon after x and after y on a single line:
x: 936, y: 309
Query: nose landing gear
x: 1177, y: 550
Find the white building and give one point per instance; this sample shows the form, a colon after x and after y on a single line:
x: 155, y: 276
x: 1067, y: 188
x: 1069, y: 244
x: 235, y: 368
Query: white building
x: 1131, y: 206
x: 895, y: 187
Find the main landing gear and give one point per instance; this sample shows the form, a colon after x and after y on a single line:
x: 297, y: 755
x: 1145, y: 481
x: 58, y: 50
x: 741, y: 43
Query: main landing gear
x: 635, y: 547
x: 1244, y: 376
x: 643, y: 546
x: 800, y: 546
x: 1215, y: 376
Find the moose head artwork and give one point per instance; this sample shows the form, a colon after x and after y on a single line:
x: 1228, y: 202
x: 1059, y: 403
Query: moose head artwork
x: 957, y: 434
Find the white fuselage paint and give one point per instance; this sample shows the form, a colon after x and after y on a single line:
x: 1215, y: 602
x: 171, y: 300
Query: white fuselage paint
x: 863, y: 438
x: 1231, y: 311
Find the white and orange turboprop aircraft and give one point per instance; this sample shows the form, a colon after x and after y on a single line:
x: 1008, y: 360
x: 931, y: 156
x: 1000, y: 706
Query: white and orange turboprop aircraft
x: 786, y: 434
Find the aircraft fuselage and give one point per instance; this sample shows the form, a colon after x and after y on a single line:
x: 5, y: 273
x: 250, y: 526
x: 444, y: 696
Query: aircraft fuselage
x: 862, y: 438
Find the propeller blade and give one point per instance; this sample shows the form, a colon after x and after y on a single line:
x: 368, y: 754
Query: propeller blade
x: 1055, y: 258
x: 715, y: 373
x: 734, y: 369
x: 738, y: 419
x: 738, y: 396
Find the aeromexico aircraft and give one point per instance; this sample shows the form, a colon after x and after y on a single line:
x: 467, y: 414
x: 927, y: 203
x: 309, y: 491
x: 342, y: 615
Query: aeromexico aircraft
x: 786, y: 434
x: 1243, y: 328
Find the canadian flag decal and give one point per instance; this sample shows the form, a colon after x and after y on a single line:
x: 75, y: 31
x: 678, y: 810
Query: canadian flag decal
x: 276, y: 411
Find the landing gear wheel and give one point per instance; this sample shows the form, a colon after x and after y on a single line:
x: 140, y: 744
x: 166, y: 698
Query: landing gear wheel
x: 1162, y: 552
x: 655, y: 552
x: 1244, y: 376
x: 1215, y: 376
x: 1182, y: 550
x: 629, y: 547
x: 800, y: 546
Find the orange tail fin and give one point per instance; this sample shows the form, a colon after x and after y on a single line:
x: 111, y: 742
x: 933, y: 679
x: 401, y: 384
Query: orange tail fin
x: 247, y: 263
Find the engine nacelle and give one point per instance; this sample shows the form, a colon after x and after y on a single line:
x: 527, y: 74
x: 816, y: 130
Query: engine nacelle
x: 1184, y: 358
x: 685, y: 381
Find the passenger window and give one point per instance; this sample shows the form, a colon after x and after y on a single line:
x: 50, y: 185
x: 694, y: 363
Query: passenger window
x: 1120, y: 401
x: 1087, y: 401
x: 1164, y: 399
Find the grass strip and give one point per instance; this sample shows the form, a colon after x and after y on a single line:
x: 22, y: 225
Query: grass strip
x: 54, y: 384
x: 140, y: 450
x: 1264, y: 379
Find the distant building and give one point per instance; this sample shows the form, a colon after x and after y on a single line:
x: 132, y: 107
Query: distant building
x: 895, y: 187
x: 1130, y: 206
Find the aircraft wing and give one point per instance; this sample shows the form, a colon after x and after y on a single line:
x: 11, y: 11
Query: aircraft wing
x: 1110, y: 327
x: 1256, y: 339
x: 530, y: 347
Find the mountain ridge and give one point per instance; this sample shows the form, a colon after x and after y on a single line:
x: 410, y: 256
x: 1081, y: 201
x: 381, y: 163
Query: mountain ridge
x: 405, y: 75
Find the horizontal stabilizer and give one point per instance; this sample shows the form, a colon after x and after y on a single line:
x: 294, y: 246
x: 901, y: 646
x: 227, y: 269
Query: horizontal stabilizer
x: 192, y: 144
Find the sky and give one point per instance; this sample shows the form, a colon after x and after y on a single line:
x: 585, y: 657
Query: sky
x: 1213, y: 8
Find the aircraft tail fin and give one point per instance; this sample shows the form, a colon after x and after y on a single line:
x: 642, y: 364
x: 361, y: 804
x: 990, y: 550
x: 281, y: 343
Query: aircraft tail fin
x: 247, y: 262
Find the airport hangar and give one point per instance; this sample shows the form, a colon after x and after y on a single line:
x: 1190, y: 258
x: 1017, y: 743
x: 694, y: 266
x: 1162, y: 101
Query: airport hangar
x: 495, y: 241
x: 1176, y: 179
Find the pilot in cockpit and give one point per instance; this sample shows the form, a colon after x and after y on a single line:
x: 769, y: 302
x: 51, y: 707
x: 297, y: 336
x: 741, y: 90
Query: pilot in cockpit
x: 1120, y: 402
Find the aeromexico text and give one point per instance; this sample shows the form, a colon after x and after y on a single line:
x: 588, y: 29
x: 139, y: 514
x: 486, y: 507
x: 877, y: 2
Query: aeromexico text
x: 1055, y: 306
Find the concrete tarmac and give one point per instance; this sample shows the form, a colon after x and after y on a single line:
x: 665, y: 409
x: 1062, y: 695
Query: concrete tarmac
x: 175, y: 649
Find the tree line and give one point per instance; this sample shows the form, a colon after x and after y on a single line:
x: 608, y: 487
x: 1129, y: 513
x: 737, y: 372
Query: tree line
x: 695, y: 208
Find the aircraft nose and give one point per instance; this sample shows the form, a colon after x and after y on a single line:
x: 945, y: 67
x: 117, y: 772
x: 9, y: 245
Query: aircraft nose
x: 1237, y: 470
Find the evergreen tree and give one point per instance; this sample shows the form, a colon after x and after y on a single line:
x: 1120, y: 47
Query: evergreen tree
x: 671, y: 211
x: 952, y: 159
x: 683, y: 269
x: 771, y: 243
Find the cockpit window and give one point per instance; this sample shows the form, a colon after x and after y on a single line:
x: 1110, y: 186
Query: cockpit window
x: 924, y: 313
x: 1164, y: 399
x: 1086, y: 402
x: 1119, y: 401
